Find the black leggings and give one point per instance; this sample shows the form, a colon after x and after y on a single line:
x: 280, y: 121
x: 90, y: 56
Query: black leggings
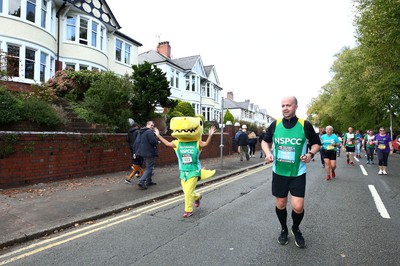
x: 382, y: 157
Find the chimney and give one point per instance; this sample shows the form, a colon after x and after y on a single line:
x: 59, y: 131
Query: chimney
x: 164, y: 48
x: 229, y: 95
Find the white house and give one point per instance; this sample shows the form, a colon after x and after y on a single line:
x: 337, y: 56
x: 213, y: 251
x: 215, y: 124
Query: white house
x: 189, y: 79
x: 247, y: 111
x: 40, y: 37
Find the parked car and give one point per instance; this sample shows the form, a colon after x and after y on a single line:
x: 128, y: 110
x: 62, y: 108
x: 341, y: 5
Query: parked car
x: 396, y: 144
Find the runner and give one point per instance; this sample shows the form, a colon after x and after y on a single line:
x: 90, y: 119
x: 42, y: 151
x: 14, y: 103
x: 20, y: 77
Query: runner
x: 330, y: 142
x: 349, y: 143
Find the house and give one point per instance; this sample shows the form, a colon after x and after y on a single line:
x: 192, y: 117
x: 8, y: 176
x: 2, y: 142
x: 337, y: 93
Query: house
x: 40, y: 37
x: 247, y: 111
x: 190, y: 80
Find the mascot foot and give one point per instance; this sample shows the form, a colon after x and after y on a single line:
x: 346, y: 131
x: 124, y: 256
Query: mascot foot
x: 197, y: 202
x: 187, y: 214
x: 206, y: 174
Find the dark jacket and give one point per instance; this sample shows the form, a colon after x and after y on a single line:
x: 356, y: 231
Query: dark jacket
x: 131, y: 137
x: 148, y: 143
x: 243, y: 139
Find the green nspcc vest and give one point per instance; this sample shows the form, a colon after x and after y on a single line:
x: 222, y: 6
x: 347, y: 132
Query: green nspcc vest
x: 188, y: 154
x: 289, y: 146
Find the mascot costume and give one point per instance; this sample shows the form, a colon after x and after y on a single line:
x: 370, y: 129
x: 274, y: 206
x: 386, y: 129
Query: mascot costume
x: 188, y: 146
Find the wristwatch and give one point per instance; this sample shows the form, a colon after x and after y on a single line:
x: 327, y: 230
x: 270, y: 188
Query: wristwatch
x: 312, y: 154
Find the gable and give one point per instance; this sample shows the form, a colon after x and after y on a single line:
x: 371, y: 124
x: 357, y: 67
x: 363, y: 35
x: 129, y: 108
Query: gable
x: 98, y: 9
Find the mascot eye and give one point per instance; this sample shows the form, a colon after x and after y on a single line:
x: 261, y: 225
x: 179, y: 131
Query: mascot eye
x: 201, y: 122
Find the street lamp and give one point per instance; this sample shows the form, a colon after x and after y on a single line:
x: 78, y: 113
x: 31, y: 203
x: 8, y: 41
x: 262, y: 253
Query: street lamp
x: 222, y: 133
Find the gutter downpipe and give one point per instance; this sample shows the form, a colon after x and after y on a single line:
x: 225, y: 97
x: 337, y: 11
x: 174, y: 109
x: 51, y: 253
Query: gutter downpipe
x: 58, y: 30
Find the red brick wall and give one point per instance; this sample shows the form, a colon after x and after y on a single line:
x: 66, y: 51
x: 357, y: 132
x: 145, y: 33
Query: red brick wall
x: 41, y: 157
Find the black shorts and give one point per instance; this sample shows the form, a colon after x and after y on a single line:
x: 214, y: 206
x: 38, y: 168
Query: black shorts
x: 350, y: 149
x: 331, y: 155
x: 282, y: 185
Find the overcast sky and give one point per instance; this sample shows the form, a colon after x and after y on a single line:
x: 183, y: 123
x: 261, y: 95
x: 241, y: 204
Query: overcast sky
x: 263, y: 50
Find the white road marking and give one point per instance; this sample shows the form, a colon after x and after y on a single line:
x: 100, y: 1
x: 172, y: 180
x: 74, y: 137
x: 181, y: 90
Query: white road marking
x: 378, y: 202
x: 363, y: 170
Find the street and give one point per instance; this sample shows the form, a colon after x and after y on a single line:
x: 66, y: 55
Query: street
x: 351, y: 220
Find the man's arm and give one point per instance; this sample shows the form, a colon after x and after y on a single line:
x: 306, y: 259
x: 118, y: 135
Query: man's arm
x: 161, y: 138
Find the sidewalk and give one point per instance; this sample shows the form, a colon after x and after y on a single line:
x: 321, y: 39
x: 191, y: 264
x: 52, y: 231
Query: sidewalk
x: 37, y: 210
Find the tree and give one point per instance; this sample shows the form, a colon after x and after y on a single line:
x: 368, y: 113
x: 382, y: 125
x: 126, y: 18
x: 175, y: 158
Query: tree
x: 151, y: 88
x: 107, y: 102
x: 228, y: 116
x: 185, y: 108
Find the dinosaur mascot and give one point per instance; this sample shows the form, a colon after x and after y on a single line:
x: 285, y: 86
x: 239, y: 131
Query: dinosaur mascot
x: 188, y: 146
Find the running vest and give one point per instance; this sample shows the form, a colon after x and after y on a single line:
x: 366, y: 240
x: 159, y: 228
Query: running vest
x: 188, y: 154
x: 289, y: 146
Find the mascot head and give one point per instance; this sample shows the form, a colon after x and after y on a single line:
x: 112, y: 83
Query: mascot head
x: 187, y: 128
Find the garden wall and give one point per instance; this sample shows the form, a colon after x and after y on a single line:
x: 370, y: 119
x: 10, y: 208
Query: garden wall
x: 34, y: 157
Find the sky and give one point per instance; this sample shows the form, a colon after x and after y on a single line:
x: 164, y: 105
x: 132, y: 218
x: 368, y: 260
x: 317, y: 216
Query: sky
x: 263, y: 50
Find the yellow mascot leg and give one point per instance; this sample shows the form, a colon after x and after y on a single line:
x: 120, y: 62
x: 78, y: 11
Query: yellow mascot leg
x: 188, y: 188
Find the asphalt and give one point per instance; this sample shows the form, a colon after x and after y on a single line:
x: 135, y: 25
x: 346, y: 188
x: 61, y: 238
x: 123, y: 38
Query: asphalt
x: 35, y: 211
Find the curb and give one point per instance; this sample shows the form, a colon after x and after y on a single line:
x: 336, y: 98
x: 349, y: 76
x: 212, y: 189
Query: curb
x: 118, y: 209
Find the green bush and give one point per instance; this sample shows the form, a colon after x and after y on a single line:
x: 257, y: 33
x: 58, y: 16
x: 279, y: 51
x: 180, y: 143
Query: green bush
x: 38, y: 111
x: 107, y: 102
x: 9, y: 107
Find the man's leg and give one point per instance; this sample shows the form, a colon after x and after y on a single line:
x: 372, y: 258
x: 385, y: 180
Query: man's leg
x: 297, y: 217
x: 281, y: 213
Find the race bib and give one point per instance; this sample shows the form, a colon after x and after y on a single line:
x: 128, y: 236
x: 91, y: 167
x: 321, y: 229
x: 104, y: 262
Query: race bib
x: 350, y: 142
x: 286, y: 154
x: 186, y: 158
x: 330, y: 147
x: 381, y: 146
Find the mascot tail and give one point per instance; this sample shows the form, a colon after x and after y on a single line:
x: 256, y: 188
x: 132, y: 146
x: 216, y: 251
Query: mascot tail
x: 205, y: 174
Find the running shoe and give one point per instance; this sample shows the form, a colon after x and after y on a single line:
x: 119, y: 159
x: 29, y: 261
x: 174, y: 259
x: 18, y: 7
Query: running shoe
x: 197, y: 202
x: 328, y: 177
x: 348, y: 161
x: 352, y: 163
x: 384, y: 172
x: 333, y: 174
x: 187, y: 214
x: 283, y: 237
x: 380, y: 172
x: 128, y: 182
x: 298, y: 238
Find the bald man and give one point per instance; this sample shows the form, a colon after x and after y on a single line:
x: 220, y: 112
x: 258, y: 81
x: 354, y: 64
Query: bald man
x: 285, y: 145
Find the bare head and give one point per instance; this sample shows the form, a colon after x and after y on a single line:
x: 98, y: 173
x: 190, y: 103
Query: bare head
x: 350, y: 130
x: 289, y: 107
x: 150, y: 124
x: 329, y: 130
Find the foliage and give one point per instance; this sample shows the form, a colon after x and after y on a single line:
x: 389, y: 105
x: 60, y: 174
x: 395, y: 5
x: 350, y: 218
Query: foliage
x: 10, y: 107
x: 151, y: 88
x: 38, y: 111
x: 107, y: 102
x: 41, y: 92
x: 365, y: 89
x: 228, y: 116
x: 185, y: 108
x: 73, y: 84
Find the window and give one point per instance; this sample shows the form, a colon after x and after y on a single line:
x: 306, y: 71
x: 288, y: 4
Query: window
x: 177, y: 79
x: 43, y: 14
x: 172, y: 78
x: 118, y: 50
x: 71, y: 26
x: 83, y: 31
x: 1, y: 6
x: 127, y: 54
x: 29, y: 63
x: 43, y: 58
x: 13, y: 61
x: 15, y: 8
x: 30, y: 10
x: 70, y: 66
x: 94, y: 34
x: 187, y: 83
x: 83, y: 67
x: 193, y: 83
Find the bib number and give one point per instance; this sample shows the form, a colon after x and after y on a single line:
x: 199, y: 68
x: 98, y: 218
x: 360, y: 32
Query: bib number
x: 381, y: 146
x: 286, y: 154
x: 186, y: 158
